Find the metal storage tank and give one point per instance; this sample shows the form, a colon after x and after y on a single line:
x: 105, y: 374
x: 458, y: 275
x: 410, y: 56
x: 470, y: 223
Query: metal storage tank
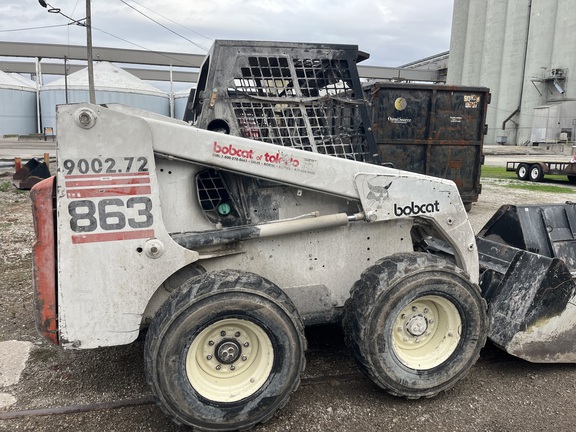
x: 180, y: 101
x: 112, y: 84
x: 523, y: 51
x: 18, y: 107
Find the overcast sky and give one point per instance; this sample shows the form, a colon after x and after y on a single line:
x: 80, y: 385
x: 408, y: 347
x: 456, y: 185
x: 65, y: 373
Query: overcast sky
x: 394, y: 32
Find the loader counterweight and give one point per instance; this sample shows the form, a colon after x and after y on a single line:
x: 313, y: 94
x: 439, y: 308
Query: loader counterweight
x: 44, y: 260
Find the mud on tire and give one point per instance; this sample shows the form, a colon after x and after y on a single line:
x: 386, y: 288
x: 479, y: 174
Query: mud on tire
x: 415, y: 324
x: 225, y: 351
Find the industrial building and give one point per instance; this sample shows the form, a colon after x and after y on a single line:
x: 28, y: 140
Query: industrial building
x: 112, y: 85
x: 158, y: 66
x: 523, y: 50
x: 18, y: 107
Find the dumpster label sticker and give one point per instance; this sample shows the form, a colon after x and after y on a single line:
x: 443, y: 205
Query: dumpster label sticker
x: 454, y: 119
x: 399, y: 120
x: 471, y: 101
x: 400, y: 103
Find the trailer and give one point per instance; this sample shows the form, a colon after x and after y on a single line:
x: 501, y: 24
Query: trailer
x: 536, y: 170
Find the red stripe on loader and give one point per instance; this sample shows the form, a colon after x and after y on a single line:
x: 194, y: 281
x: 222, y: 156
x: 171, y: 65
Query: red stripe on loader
x: 113, y: 236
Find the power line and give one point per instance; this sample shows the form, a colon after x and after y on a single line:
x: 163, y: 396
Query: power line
x: 174, y: 22
x: 112, y: 35
x: 35, y: 28
x: 139, y: 46
x: 163, y: 26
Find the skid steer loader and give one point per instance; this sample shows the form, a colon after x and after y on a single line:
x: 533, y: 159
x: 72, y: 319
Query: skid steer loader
x: 225, y: 240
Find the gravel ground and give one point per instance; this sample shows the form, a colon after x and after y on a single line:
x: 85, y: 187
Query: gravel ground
x: 501, y: 393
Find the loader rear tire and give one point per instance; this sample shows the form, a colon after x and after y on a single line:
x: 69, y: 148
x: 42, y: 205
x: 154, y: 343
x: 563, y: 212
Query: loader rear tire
x: 415, y: 324
x: 225, y: 351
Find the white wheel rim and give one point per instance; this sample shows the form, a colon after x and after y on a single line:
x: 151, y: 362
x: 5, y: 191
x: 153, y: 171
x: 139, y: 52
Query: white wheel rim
x: 229, y: 360
x: 522, y: 171
x: 426, y: 332
x: 534, y: 172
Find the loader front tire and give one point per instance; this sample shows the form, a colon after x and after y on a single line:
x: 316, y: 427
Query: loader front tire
x: 415, y: 324
x: 225, y: 351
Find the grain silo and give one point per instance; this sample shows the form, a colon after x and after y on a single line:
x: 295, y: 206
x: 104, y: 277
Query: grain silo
x: 523, y: 50
x: 112, y: 85
x: 18, y: 107
x: 180, y: 101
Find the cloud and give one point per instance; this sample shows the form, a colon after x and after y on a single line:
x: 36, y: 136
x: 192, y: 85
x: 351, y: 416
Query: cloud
x: 393, y: 32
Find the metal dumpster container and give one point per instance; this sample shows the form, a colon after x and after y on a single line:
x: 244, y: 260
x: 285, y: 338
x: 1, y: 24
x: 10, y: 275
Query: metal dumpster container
x: 431, y: 129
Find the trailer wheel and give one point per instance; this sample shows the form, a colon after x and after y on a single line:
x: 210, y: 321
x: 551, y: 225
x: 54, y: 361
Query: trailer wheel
x: 225, y: 351
x: 415, y: 324
x: 522, y: 171
x: 536, y: 173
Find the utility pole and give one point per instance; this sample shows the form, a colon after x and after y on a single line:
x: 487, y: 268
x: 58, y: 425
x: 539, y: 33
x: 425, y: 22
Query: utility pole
x: 89, y: 48
x: 88, y: 24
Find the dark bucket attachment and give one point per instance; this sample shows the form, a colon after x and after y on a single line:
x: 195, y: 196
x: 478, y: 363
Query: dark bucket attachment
x: 33, y: 172
x: 527, y: 258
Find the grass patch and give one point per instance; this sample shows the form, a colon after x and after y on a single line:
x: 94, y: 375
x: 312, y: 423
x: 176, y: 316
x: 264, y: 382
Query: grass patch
x: 539, y: 187
x: 4, y: 186
x: 497, y: 172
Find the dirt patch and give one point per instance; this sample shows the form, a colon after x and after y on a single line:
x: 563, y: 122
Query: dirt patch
x: 16, y: 238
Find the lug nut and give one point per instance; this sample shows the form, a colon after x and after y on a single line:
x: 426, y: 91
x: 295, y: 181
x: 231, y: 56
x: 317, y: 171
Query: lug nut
x: 210, y: 343
x: 232, y: 367
x: 246, y: 344
x: 222, y: 333
x: 244, y: 358
x: 237, y: 334
x: 218, y: 367
x: 208, y: 357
